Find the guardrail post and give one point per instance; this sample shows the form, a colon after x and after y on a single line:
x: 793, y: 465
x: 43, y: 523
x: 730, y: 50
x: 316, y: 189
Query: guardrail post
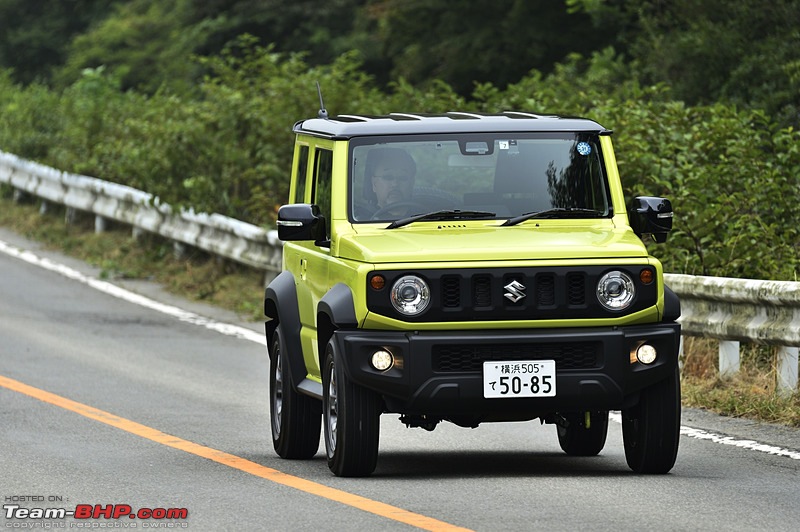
x: 728, y: 358
x: 100, y: 224
x: 787, y: 370
x: 70, y: 215
x: 178, y: 250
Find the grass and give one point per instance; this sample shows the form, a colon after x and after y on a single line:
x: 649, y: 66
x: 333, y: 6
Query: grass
x: 749, y: 394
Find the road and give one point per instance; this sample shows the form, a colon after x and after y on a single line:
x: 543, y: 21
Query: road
x: 108, y: 403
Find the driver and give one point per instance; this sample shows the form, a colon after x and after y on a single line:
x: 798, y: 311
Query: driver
x: 392, y: 172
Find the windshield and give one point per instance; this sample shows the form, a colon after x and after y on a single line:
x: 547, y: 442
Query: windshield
x: 506, y: 176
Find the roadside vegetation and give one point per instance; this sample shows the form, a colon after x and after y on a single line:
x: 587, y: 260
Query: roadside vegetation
x: 193, y: 101
x: 750, y: 394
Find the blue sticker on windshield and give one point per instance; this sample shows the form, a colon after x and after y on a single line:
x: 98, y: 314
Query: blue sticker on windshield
x: 584, y: 148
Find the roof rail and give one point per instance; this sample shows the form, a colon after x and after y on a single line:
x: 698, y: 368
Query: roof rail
x: 354, y: 118
x: 460, y: 113
x: 520, y: 113
x: 407, y: 115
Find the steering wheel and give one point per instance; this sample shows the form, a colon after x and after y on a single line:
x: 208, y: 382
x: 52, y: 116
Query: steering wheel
x: 405, y: 206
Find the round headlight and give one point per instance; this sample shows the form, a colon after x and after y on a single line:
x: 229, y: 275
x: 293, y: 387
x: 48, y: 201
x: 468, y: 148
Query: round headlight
x: 410, y: 295
x: 615, y: 290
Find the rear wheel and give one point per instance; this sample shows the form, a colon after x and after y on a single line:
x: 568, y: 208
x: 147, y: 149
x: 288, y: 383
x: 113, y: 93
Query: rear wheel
x: 295, y: 417
x: 651, y: 430
x: 351, y: 419
x: 583, y: 433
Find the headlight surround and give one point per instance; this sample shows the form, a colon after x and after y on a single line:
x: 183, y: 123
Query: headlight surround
x: 410, y: 295
x: 616, y: 290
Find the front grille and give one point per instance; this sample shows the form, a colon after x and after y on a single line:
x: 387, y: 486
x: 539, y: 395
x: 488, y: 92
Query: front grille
x: 576, y: 289
x: 546, y: 289
x: 451, y: 292
x: 470, y: 358
x: 496, y: 294
x: 482, y: 291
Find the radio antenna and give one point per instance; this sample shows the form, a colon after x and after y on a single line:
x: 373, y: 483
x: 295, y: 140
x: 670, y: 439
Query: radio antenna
x: 323, y: 113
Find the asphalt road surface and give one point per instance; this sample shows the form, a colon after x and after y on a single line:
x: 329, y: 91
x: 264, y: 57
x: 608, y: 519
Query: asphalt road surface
x: 126, y: 402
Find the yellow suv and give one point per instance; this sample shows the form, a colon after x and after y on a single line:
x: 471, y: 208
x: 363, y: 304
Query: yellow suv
x: 468, y: 268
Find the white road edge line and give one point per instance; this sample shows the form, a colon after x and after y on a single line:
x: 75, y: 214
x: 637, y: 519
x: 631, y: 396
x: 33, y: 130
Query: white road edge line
x: 126, y: 295
x: 751, y: 445
x: 252, y: 336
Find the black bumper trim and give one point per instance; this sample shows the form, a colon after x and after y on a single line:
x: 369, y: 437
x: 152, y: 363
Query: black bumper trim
x: 413, y: 386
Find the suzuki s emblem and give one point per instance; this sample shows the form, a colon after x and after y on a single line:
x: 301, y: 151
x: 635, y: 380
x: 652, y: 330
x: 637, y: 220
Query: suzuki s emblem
x: 515, y: 291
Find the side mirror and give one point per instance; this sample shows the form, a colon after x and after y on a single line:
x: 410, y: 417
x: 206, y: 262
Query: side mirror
x: 651, y: 216
x: 301, y: 221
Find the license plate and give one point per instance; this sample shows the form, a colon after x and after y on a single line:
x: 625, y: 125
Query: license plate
x: 519, y: 378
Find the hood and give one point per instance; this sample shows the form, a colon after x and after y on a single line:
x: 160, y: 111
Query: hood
x: 479, y: 241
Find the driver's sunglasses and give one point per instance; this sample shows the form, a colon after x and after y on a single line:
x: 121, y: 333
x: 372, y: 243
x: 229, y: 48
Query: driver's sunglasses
x: 402, y: 178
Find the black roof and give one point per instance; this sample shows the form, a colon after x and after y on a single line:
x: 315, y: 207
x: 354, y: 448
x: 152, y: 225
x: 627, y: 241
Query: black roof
x: 348, y: 126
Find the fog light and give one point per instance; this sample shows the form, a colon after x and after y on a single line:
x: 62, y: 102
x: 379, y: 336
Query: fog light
x: 382, y: 360
x: 646, y: 354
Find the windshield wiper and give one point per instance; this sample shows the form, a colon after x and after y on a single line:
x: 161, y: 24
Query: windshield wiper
x: 440, y: 215
x: 558, y: 212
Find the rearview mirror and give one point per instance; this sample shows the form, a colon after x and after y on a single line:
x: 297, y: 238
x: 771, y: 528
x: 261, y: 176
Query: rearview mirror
x: 301, y: 221
x: 651, y: 216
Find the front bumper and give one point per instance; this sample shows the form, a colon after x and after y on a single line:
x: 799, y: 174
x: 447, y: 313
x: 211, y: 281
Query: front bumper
x: 439, y: 373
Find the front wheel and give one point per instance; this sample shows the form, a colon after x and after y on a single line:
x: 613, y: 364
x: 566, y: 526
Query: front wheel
x: 651, y: 429
x: 583, y: 433
x: 351, y: 419
x: 295, y: 417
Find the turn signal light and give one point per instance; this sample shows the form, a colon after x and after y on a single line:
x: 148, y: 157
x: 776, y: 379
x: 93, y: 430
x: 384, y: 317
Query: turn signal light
x: 377, y: 282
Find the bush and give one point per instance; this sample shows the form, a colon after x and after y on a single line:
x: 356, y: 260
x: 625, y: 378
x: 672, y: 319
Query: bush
x: 30, y: 118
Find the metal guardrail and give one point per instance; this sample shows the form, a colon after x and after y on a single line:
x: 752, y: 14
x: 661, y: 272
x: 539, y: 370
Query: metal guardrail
x: 743, y: 310
x: 214, y: 233
x: 731, y: 310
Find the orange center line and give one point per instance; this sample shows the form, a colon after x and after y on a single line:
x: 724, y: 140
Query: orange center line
x: 355, y: 501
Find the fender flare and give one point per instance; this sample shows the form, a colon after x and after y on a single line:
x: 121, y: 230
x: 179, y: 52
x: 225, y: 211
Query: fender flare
x: 672, y: 305
x: 336, y: 310
x: 280, y: 307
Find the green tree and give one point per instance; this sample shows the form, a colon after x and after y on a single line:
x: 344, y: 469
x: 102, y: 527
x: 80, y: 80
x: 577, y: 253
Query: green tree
x: 34, y: 34
x: 745, y: 52
x: 144, y: 42
x: 149, y: 42
x: 461, y: 43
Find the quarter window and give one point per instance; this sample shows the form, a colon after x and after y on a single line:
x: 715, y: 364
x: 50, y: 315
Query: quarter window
x: 323, y: 172
x: 302, y: 170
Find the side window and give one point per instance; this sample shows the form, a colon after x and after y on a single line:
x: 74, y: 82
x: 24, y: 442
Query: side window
x: 302, y: 167
x: 323, y: 173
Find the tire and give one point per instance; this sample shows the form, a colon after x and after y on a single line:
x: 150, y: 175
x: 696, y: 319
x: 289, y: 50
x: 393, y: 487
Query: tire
x: 576, y: 439
x: 295, y: 418
x: 351, y: 417
x: 651, y: 430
